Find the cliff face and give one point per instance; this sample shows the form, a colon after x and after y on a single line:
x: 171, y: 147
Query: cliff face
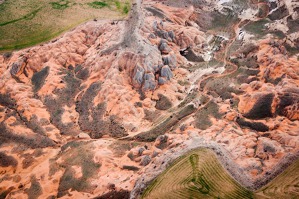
x: 222, y: 72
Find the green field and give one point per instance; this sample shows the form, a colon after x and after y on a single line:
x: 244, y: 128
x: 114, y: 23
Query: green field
x: 25, y: 23
x: 199, y: 174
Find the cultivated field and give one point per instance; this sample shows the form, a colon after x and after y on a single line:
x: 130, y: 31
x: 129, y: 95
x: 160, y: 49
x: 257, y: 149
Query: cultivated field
x: 285, y: 185
x: 28, y: 22
x: 196, y: 175
x: 200, y: 175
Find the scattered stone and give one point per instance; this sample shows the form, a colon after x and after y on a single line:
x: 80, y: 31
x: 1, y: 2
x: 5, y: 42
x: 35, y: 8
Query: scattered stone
x: 149, y: 82
x: 152, y: 36
x: 166, y: 72
x: 170, y: 60
x: 163, y: 47
x: 138, y: 76
x: 183, y: 127
x: 17, y: 68
x: 145, y: 160
x: 155, y: 154
x: 190, y: 55
x: 122, y: 194
x: 171, y: 35
x: 161, y: 141
x: 163, y: 103
x: 140, y: 151
x: 83, y: 136
x: 162, y: 80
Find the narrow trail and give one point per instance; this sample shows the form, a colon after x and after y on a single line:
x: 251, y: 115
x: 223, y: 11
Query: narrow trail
x: 225, y: 59
x: 198, y: 94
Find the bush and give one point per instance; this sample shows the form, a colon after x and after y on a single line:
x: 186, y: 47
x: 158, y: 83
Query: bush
x: 126, y: 8
x: 98, y: 4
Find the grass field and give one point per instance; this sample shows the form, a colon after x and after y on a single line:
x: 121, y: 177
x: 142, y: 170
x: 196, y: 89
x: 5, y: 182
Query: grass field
x: 25, y: 23
x: 199, y: 174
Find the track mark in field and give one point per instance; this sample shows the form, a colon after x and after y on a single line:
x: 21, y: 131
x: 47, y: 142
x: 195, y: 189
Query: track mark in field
x: 28, y: 16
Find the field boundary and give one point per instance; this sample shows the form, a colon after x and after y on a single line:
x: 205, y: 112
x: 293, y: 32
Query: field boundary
x: 226, y: 161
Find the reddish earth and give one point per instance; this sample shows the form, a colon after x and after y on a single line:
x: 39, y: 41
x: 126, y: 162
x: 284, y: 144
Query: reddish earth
x: 92, y: 113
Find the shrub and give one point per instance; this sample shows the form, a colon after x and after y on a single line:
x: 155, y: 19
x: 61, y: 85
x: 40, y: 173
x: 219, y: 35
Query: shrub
x: 98, y: 4
x: 126, y: 8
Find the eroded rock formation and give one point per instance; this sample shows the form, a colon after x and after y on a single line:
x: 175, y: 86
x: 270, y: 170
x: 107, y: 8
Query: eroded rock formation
x: 98, y: 111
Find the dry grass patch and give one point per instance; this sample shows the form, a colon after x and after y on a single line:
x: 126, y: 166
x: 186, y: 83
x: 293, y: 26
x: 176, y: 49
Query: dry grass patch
x: 28, y: 22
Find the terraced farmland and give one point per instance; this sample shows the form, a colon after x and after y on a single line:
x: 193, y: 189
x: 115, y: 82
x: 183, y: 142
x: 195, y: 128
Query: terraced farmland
x: 199, y: 174
x: 28, y: 22
x: 196, y: 175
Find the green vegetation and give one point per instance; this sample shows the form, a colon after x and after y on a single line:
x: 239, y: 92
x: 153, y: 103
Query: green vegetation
x: 98, y: 4
x: 123, y: 7
x: 279, y: 34
x: 27, y: 23
x: 28, y: 16
x: 60, y: 5
x: 126, y: 8
x: 118, y: 5
x: 199, y: 174
x: 4, y: 193
x: 291, y: 50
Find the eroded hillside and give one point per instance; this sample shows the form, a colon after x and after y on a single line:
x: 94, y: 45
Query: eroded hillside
x: 103, y: 109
